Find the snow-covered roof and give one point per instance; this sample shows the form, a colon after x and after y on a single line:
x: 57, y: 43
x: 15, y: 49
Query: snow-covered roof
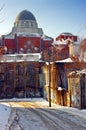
x: 77, y: 73
x: 23, y: 34
x: 82, y: 71
x: 28, y: 34
x: 45, y: 37
x: 67, y: 34
x: 63, y: 42
x: 68, y: 60
x: 21, y: 57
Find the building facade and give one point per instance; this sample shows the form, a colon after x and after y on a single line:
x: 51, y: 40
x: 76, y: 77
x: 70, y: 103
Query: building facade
x: 24, y: 71
x: 20, y: 69
x: 25, y: 36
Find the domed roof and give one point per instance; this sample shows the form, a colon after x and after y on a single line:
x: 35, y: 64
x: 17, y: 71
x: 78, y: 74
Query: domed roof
x: 25, y: 15
x: 66, y: 33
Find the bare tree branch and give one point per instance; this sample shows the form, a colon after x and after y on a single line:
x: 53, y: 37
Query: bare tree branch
x: 2, y: 7
x: 2, y: 20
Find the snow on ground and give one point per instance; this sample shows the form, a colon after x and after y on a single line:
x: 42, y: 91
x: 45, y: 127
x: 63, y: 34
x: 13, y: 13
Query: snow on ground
x: 5, y: 109
x: 4, y: 115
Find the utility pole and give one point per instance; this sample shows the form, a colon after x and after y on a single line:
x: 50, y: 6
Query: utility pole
x: 49, y: 79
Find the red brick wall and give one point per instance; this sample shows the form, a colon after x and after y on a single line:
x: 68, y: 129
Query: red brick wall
x: 74, y: 38
x: 28, y: 42
x: 9, y: 43
x: 35, y: 44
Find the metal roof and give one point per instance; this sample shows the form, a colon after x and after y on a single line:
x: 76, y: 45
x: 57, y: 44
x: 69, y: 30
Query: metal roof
x: 25, y: 15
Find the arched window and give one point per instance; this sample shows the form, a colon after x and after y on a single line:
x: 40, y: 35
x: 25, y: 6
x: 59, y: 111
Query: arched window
x: 10, y: 51
x: 21, y: 51
x: 28, y: 50
x: 36, y: 49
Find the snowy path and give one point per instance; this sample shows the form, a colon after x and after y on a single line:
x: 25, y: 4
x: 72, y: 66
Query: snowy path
x: 34, y: 116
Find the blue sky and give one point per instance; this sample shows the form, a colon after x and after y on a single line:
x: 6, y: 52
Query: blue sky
x: 53, y: 16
